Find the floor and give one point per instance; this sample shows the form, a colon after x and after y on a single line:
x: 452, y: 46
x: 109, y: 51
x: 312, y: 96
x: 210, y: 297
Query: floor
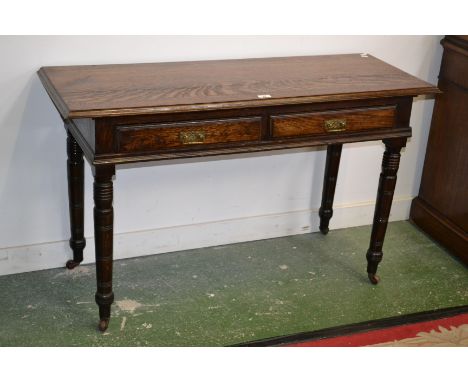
x: 236, y: 293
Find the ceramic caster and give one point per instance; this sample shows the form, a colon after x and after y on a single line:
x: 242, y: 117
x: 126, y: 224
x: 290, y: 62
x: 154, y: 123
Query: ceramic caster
x: 374, y: 279
x: 72, y: 264
x: 103, y: 324
x: 324, y: 230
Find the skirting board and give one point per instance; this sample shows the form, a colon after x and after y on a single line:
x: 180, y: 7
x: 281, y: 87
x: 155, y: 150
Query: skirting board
x: 440, y: 228
x: 150, y: 242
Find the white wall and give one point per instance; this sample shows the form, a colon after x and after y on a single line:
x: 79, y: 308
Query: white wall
x: 191, y: 203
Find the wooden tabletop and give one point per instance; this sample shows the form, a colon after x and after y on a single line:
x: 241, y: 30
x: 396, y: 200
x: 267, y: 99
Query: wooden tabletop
x: 128, y: 89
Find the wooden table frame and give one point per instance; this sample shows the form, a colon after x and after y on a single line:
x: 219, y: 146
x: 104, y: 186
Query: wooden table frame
x: 110, y: 135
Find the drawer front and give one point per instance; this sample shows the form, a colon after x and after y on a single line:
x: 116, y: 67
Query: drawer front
x: 187, y: 134
x: 332, y: 122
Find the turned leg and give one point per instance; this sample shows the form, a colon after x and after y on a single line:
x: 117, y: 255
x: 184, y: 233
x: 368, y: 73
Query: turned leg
x: 329, y: 183
x: 75, y: 170
x: 103, y: 237
x: 388, y: 177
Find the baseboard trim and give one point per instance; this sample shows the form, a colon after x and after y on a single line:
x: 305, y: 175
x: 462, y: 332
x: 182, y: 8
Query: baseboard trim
x: 41, y: 256
x: 440, y: 228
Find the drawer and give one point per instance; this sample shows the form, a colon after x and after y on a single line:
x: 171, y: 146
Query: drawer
x: 187, y: 134
x: 332, y: 122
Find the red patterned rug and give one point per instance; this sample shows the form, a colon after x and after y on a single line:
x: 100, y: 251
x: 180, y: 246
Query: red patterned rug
x: 450, y: 331
x: 439, y: 327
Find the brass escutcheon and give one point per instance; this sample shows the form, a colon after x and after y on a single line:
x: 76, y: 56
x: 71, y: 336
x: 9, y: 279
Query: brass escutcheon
x: 333, y: 125
x: 192, y: 137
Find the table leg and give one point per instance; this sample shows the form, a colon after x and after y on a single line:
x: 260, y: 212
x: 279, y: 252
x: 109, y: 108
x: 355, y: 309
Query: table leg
x: 387, y: 182
x: 329, y: 183
x: 103, y: 237
x: 75, y: 170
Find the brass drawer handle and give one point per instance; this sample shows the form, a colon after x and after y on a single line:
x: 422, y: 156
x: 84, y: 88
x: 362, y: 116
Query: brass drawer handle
x: 334, y: 125
x: 192, y: 137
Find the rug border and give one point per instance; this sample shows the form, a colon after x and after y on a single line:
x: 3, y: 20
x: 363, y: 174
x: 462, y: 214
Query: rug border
x: 360, y: 327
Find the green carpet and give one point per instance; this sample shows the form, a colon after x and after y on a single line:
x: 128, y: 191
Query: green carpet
x: 235, y: 293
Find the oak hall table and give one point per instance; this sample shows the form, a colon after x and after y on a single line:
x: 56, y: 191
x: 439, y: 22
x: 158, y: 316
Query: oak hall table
x: 117, y: 114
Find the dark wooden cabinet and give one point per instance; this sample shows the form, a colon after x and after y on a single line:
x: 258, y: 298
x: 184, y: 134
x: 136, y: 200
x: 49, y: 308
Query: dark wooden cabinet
x: 441, y: 208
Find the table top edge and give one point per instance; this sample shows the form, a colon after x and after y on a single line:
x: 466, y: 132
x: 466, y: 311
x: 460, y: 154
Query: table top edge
x: 272, y: 102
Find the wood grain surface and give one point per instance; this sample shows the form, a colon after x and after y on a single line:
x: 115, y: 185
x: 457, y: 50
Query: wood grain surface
x: 314, y: 123
x: 130, y: 89
x: 168, y: 135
